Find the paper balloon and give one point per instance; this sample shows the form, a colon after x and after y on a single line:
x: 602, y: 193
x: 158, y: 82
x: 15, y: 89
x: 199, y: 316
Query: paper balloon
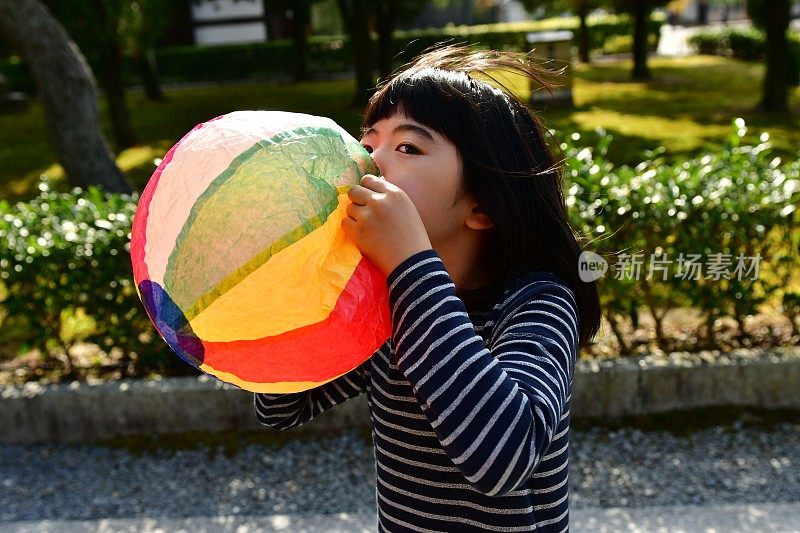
x: 239, y: 256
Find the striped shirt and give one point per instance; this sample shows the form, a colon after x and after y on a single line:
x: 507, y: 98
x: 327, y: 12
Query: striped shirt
x: 470, y: 410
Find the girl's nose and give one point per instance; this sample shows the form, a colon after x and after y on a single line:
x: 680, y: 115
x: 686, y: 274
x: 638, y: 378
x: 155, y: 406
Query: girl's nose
x: 378, y: 159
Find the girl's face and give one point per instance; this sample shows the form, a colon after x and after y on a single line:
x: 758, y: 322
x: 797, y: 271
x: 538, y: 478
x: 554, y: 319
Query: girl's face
x: 427, y: 167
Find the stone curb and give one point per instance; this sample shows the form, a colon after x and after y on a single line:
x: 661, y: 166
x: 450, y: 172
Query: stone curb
x: 650, y: 385
x: 81, y: 412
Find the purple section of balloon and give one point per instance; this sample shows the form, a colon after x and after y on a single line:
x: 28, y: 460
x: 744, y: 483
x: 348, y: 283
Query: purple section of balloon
x: 171, y: 323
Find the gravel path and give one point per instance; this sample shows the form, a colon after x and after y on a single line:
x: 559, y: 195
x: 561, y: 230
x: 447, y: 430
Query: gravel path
x: 622, y: 468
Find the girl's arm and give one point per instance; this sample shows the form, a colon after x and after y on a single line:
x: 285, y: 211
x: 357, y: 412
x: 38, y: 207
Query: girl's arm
x: 285, y: 411
x: 494, y: 410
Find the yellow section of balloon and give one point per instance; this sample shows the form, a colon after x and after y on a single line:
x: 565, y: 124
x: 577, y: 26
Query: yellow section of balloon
x: 274, y: 288
x: 281, y: 387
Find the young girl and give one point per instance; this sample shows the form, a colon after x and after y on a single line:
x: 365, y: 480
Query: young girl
x: 470, y: 396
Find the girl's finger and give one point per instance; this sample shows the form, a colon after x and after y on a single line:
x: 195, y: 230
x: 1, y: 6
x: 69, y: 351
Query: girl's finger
x: 359, y: 194
x: 374, y: 183
x: 350, y: 210
x: 353, y: 210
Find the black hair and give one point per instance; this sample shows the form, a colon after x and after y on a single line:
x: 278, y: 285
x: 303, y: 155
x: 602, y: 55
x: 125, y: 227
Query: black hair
x: 508, y: 167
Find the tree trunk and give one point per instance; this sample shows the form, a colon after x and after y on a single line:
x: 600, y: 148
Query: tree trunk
x: 793, y: 323
x: 776, y: 86
x: 356, y: 19
x: 68, y: 92
x: 613, y: 321
x: 387, y: 12
x: 641, y: 15
x: 658, y: 322
x: 466, y: 12
x: 148, y: 72
x: 110, y: 65
x: 584, y: 48
x: 300, y: 22
x: 702, y: 12
x: 710, y: 320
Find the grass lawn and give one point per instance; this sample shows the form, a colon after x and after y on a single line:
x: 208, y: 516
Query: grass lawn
x: 687, y: 108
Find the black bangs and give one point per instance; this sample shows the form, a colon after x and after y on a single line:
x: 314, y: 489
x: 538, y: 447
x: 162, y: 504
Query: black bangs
x: 440, y: 99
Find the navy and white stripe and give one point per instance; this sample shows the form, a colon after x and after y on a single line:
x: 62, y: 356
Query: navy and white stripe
x: 470, y: 410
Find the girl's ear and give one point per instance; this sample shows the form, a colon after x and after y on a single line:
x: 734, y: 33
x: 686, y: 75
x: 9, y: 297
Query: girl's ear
x: 477, y: 219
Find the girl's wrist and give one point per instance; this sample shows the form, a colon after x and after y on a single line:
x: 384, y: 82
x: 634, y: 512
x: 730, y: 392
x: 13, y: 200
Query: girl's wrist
x: 405, y: 256
x: 409, y: 260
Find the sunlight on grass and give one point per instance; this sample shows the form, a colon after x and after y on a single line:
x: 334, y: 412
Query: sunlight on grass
x: 687, y: 107
x: 139, y: 162
x: 142, y: 155
x: 515, y: 83
x: 136, y: 162
x: 678, y: 134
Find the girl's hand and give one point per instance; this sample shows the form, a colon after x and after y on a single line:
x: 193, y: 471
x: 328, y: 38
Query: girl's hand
x: 383, y: 223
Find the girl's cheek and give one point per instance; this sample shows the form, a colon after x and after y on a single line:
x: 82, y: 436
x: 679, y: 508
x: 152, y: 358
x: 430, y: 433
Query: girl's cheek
x: 390, y: 177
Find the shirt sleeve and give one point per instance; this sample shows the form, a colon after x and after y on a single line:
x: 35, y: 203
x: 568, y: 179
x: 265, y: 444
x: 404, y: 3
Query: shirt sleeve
x: 494, y: 410
x: 286, y: 411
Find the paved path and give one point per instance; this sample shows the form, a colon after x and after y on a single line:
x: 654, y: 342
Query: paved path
x: 674, y: 40
x: 783, y: 517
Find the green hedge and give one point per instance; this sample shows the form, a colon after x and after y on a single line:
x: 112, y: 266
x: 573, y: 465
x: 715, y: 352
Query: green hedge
x: 512, y: 36
x: 746, y: 43
x: 623, y: 44
x: 65, y: 273
x: 740, y: 201
x: 331, y: 54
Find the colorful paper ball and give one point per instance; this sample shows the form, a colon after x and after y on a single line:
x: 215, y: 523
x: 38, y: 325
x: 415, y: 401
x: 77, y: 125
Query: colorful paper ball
x: 239, y: 256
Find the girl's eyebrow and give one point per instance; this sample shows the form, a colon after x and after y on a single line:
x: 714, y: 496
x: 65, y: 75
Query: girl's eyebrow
x: 405, y: 126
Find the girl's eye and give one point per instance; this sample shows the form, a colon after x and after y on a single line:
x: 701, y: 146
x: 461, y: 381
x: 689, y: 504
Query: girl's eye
x: 409, y: 149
